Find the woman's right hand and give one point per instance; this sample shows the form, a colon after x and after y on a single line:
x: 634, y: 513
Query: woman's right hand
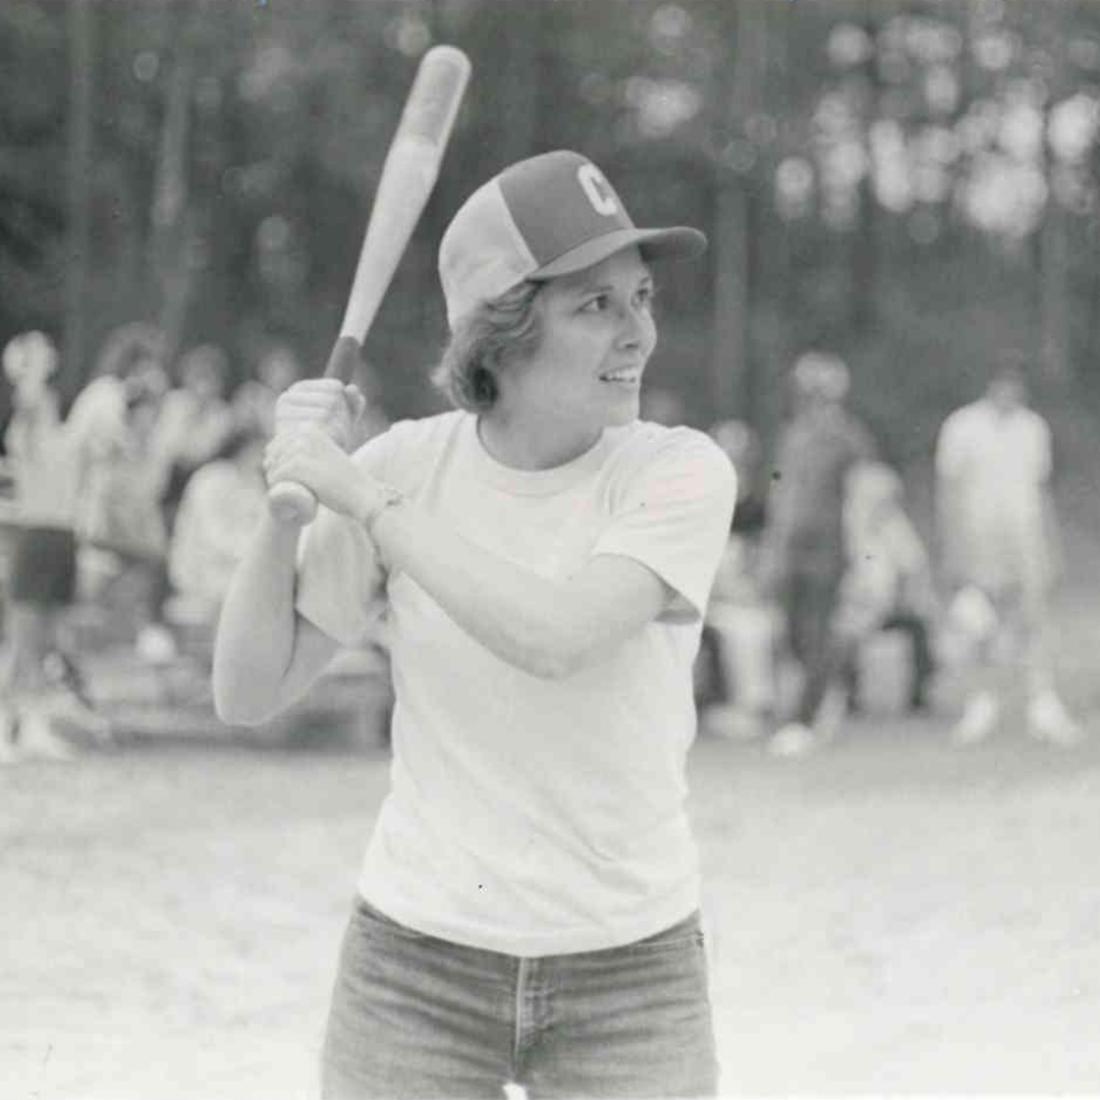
x: 324, y: 403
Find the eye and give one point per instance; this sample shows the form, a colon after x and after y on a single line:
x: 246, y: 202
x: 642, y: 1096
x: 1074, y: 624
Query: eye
x: 643, y: 297
x: 598, y: 303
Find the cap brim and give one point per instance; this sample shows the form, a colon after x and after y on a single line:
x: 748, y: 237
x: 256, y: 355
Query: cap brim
x: 676, y: 242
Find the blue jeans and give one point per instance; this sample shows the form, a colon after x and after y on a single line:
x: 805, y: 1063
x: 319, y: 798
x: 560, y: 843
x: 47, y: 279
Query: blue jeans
x: 417, y: 1016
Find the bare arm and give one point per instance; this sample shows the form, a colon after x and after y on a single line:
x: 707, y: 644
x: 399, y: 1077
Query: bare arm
x: 548, y: 627
x: 265, y: 654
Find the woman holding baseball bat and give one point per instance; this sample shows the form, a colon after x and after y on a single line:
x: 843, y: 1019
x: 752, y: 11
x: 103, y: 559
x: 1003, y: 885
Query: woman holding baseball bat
x: 528, y: 905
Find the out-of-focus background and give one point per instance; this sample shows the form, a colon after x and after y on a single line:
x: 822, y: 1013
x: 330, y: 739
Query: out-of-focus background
x: 910, y: 186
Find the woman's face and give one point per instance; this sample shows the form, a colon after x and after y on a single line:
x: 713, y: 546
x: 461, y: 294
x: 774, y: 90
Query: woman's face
x: 597, y: 335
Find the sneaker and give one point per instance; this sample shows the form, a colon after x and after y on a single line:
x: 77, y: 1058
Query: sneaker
x: 978, y: 720
x: 1049, y: 721
x: 37, y: 738
x: 792, y: 740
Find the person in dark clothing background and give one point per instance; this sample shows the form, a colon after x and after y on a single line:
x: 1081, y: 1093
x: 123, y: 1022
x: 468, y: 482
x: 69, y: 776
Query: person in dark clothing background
x: 805, y: 550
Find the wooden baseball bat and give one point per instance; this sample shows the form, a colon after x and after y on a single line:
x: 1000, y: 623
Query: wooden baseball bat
x: 408, y: 175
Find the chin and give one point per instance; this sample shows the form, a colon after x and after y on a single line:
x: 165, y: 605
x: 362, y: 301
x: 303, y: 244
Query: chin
x: 623, y: 412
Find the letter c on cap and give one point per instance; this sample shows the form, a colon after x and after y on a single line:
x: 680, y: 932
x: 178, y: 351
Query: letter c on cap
x: 597, y: 189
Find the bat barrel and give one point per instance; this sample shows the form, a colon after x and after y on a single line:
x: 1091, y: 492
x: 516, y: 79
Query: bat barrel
x: 436, y: 94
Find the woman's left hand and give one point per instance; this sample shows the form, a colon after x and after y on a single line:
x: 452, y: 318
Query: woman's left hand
x: 312, y: 458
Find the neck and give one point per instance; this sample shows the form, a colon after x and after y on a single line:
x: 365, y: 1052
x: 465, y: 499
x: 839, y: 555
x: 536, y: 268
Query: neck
x: 532, y: 442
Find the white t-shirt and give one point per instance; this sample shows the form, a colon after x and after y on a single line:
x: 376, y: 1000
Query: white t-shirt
x: 44, y: 464
x: 997, y: 465
x: 525, y: 815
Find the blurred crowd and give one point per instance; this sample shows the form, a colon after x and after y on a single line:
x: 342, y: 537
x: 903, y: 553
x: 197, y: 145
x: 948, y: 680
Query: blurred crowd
x: 139, y: 501
x: 827, y: 591
x: 133, y: 508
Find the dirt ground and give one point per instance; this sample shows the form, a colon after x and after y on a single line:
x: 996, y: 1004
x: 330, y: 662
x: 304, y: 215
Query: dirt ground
x: 889, y: 916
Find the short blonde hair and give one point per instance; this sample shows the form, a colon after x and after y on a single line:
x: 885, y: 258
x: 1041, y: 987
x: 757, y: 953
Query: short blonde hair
x: 492, y: 333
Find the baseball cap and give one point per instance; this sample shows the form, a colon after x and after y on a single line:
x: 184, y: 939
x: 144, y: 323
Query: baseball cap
x: 549, y: 215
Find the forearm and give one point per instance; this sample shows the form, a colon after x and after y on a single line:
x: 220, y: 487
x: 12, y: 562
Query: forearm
x: 256, y: 629
x: 545, y: 626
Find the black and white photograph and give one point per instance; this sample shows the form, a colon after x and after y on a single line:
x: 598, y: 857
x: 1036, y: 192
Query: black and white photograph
x: 549, y: 549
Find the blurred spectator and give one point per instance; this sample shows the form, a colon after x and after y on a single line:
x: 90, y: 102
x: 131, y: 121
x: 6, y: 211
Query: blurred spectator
x: 130, y: 363
x: 38, y: 678
x: 112, y: 425
x: 888, y: 582
x: 998, y: 534
x: 193, y: 423
x: 253, y: 401
x: 741, y: 628
x: 805, y: 553
x: 221, y: 505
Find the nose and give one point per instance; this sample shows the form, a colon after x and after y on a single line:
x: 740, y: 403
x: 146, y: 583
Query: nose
x: 633, y: 322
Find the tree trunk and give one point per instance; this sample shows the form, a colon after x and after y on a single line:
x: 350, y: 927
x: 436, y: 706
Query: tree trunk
x: 172, y: 232
x: 1055, y: 284
x: 729, y: 351
x: 730, y: 348
x: 81, y: 29
x: 1054, y: 295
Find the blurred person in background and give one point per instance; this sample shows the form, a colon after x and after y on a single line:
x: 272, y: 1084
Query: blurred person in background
x: 130, y: 363
x: 888, y: 584
x: 998, y: 537
x: 253, y: 401
x: 221, y: 506
x: 120, y: 525
x: 39, y: 679
x: 528, y: 908
x: 193, y: 422
x: 741, y: 630
x: 805, y: 551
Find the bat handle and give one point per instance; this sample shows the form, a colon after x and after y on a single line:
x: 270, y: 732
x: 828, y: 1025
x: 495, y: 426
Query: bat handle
x: 288, y: 501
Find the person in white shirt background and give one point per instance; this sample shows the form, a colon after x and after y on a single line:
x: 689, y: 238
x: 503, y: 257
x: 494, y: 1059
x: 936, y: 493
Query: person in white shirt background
x: 39, y: 680
x: 1000, y: 553
x: 221, y: 505
x: 528, y: 905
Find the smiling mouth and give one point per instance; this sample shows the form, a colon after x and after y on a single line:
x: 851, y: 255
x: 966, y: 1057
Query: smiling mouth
x: 626, y: 377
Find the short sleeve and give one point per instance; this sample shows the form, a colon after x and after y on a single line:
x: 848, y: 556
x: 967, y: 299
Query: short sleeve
x: 339, y: 576
x: 673, y: 515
